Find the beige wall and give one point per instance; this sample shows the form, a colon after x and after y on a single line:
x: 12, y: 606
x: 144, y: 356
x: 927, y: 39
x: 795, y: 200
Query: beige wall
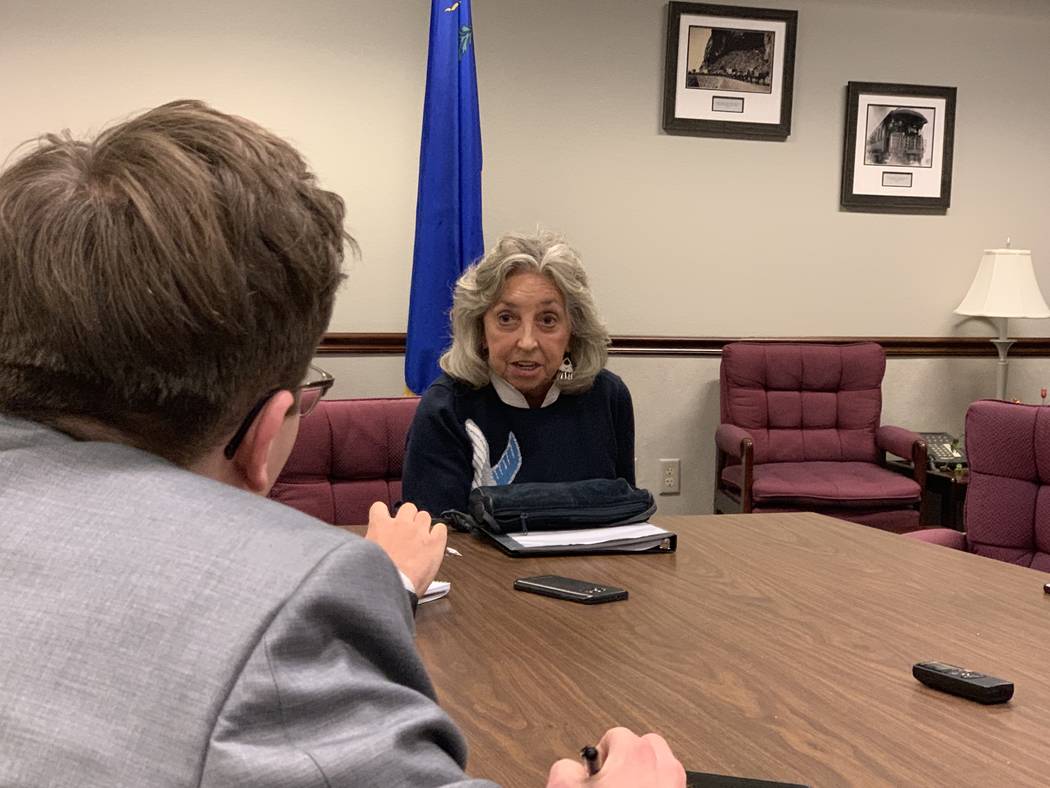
x: 720, y: 237
x: 683, y: 235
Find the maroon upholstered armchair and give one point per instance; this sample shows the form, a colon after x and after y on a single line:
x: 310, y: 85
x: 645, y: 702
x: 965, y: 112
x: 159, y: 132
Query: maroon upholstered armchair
x: 1008, y: 495
x: 348, y: 456
x: 800, y: 431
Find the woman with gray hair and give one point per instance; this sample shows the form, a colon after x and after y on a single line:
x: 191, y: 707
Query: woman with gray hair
x: 525, y: 396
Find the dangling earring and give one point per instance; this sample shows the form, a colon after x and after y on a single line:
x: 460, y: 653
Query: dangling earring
x: 566, y: 370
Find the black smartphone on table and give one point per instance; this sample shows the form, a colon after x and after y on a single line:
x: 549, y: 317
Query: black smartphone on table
x: 582, y: 591
x: 705, y: 780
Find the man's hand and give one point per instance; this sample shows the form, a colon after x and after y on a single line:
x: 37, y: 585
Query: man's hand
x: 414, y: 547
x: 628, y: 761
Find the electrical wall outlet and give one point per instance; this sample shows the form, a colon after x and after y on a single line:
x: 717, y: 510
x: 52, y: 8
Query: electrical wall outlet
x: 670, y: 477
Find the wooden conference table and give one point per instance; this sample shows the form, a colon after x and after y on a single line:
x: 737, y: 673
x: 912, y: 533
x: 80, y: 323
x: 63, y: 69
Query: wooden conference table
x: 775, y: 646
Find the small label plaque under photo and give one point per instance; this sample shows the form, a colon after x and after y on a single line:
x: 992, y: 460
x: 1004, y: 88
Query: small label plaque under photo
x: 901, y: 180
x: 727, y: 104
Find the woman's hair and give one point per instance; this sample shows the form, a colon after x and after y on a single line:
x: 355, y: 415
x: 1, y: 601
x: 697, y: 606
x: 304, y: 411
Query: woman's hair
x: 481, y: 285
x: 162, y: 277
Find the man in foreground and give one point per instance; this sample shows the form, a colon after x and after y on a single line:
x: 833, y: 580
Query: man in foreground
x: 162, y: 290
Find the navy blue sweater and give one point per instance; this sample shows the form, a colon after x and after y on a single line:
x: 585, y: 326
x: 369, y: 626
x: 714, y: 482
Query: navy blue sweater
x: 579, y: 436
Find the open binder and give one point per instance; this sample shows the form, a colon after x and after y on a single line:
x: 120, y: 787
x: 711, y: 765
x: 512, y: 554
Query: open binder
x: 637, y: 538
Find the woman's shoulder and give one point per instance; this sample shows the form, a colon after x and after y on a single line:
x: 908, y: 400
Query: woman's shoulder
x: 610, y: 383
x: 448, y: 392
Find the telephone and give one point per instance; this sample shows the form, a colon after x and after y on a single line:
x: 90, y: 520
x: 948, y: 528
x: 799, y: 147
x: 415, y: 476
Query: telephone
x: 943, y: 450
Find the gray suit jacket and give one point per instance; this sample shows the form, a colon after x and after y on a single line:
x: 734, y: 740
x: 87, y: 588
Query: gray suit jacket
x: 158, y: 628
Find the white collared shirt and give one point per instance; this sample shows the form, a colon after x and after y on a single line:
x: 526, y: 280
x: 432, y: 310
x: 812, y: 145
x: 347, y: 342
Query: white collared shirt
x: 511, y: 396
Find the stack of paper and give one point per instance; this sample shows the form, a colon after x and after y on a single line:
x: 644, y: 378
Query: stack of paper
x: 642, y: 536
x: 436, y: 590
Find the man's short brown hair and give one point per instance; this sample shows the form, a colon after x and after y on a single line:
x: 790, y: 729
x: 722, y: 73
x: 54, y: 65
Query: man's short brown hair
x: 160, y: 279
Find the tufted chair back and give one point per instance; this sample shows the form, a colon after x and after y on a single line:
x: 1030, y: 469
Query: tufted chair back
x: 347, y: 456
x: 1008, y: 496
x: 804, y: 402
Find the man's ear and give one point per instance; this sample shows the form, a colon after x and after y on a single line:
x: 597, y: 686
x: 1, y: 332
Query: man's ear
x: 266, y: 436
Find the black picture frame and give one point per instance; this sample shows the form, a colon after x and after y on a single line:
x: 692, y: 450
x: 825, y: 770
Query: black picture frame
x: 898, y: 148
x: 729, y: 71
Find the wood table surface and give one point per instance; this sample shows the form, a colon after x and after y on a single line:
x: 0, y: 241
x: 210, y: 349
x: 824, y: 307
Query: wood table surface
x: 775, y: 646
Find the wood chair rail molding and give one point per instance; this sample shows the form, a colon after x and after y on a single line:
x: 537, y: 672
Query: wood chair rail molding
x: 393, y: 343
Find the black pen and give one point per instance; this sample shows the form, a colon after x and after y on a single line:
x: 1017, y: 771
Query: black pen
x: 590, y: 760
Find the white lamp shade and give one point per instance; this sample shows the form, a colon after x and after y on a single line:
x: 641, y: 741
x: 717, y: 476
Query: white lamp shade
x: 1005, y: 286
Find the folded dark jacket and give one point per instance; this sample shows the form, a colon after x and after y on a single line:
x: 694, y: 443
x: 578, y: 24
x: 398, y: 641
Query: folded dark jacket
x: 551, y: 506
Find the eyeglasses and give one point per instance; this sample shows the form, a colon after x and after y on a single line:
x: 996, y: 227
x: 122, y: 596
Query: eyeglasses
x: 316, y: 386
x: 308, y: 394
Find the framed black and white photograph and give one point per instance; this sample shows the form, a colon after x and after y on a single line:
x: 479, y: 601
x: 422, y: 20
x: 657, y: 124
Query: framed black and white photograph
x: 729, y: 70
x: 897, y: 154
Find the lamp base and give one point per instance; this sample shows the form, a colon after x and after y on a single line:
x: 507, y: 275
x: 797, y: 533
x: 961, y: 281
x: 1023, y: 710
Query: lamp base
x: 1002, y: 347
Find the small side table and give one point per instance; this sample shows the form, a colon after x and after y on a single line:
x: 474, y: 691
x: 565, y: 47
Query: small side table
x: 945, y: 495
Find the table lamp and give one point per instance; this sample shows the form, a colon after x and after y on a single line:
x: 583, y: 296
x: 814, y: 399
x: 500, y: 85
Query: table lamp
x: 1005, y: 287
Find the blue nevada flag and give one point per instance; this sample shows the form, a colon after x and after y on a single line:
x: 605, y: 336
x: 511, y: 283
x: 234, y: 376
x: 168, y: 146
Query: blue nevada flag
x: 448, y: 208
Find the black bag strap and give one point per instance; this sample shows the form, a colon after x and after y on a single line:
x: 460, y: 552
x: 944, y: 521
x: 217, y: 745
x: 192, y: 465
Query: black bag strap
x: 458, y: 521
